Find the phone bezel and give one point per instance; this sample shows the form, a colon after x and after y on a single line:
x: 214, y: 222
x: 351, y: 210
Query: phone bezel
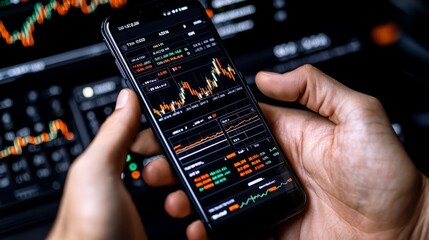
x: 247, y: 218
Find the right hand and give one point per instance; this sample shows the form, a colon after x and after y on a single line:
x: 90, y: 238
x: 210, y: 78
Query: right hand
x: 360, y: 181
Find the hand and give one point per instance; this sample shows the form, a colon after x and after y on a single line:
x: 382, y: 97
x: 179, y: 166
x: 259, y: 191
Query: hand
x: 361, y: 183
x: 95, y: 202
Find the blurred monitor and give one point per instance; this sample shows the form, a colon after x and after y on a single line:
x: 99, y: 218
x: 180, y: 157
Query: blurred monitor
x: 58, y: 82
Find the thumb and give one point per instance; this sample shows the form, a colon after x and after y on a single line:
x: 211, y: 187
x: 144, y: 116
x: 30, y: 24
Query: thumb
x: 112, y: 142
x: 312, y: 88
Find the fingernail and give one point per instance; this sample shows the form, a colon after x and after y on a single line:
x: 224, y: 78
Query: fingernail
x: 122, y: 99
x: 270, y: 73
x: 146, y: 161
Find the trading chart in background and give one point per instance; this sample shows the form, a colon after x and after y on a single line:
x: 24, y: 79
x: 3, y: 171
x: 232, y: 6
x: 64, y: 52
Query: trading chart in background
x: 39, y: 137
x: 55, y: 46
x: 43, y: 12
x: 39, y: 134
x: 24, y: 31
x: 39, y: 36
x: 30, y: 21
x: 37, y: 144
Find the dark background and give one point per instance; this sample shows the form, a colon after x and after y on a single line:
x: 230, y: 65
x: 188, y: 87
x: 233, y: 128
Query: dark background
x: 345, y: 45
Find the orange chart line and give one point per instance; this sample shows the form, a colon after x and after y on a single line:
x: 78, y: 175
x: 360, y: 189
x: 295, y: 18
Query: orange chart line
x: 217, y: 70
x: 178, y: 148
x: 44, y: 12
x: 20, y: 142
x: 240, y: 123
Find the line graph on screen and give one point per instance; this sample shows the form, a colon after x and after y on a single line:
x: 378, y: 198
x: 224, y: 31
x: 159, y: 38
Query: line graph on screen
x: 217, y: 79
x: 43, y: 12
x: 19, y: 143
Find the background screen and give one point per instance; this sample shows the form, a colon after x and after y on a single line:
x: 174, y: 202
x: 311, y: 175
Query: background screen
x: 58, y: 83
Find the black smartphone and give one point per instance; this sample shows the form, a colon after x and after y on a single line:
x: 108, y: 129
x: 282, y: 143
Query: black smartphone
x: 205, y: 116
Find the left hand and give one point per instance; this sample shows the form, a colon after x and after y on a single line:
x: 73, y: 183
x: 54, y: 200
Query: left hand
x: 95, y: 203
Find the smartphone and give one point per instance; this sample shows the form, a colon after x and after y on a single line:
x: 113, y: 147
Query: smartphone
x: 205, y: 116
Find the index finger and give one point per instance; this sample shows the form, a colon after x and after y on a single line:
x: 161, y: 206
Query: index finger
x: 146, y: 143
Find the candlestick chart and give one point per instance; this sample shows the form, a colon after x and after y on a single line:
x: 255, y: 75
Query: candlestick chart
x: 19, y: 143
x: 193, y: 86
x: 42, y: 12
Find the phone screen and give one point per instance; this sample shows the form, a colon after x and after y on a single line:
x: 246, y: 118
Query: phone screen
x: 204, y: 114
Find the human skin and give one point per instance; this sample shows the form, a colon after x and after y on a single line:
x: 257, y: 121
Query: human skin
x: 360, y: 182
